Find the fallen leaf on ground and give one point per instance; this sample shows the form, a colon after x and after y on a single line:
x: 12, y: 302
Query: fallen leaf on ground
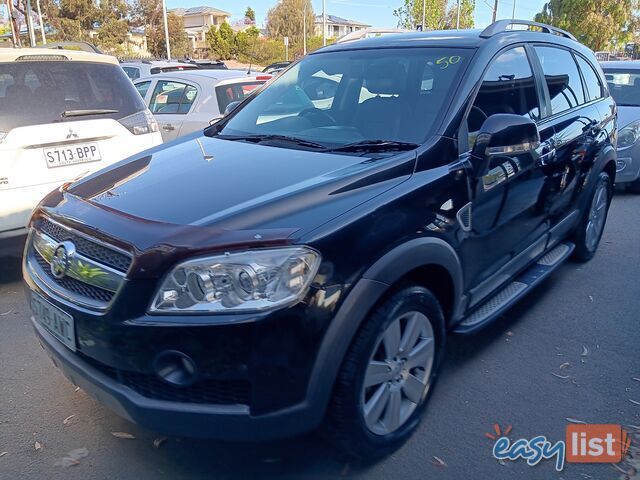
x: 564, y: 365
x: 67, y: 420
x: 72, y: 458
x: 123, y: 435
x: 635, y: 402
x: 564, y: 377
x: 158, y: 442
x: 5, y: 313
x: 2, y: 454
x: 77, y: 389
x: 510, y: 334
x: 585, y: 351
x: 37, y: 446
x: 573, y: 420
x: 438, y: 462
x: 590, y: 298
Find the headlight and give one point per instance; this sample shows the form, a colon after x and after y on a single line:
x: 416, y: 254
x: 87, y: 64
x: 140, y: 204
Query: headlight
x: 250, y: 281
x: 140, y: 123
x: 628, y: 135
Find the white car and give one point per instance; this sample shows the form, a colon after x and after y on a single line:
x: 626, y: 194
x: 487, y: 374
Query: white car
x: 188, y: 101
x: 143, y: 68
x: 63, y: 113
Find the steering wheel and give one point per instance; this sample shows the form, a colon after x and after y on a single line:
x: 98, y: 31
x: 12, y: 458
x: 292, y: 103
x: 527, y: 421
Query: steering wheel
x: 318, y: 117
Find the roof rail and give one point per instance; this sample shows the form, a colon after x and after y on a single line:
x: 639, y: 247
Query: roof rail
x: 503, y: 26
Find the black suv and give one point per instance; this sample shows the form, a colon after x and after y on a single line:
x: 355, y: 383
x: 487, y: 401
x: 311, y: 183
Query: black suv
x: 300, y: 262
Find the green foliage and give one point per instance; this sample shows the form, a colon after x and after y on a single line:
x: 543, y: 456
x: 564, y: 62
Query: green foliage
x: 286, y: 19
x: 112, y: 34
x: 250, y: 14
x: 219, y: 47
x: 599, y: 24
x: 439, y: 14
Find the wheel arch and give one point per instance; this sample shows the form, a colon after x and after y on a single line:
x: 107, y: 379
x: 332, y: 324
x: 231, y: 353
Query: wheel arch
x: 429, y: 262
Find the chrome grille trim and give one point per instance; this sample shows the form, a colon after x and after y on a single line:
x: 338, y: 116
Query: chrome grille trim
x: 81, y: 268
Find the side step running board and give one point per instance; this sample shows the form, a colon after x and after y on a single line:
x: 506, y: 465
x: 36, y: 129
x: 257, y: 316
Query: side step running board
x: 514, y: 291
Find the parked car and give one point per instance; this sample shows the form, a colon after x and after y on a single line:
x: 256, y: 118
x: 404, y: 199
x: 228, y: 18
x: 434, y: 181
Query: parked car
x: 208, y: 64
x: 64, y: 113
x: 276, y: 67
x: 623, y: 78
x: 143, y: 68
x: 274, y: 273
x: 185, y: 102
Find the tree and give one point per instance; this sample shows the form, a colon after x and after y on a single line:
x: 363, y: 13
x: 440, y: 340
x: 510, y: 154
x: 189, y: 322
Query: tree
x: 439, y: 14
x: 249, y: 15
x: 286, y: 19
x: 219, y: 46
x: 156, y: 42
x: 599, y: 24
x: 112, y: 34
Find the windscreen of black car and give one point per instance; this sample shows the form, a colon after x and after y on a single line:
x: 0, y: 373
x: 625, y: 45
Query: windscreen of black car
x: 34, y: 93
x: 624, y: 86
x: 338, y: 98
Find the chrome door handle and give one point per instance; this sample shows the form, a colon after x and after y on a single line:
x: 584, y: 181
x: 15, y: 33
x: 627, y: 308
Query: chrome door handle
x: 168, y: 127
x: 547, y: 158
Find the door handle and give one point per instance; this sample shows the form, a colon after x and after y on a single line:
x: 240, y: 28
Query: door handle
x: 168, y: 127
x: 547, y: 158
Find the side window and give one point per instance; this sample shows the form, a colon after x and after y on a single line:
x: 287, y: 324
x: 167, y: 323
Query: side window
x: 508, y: 87
x: 143, y: 88
x: 591, y: 79
x: 562, y: 77
x: 172, y: 97
x: 132, y: 73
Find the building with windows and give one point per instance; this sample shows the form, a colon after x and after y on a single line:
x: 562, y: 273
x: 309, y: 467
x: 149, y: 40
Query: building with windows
x: 198, y: 21
x: 337, y: 26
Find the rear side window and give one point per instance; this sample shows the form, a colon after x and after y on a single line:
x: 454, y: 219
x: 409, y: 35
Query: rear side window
x: 172, y: 97
x: 132, y: 72
x: 507, y: 87
x: 232, y: 92
x: 143, y: 88
x: 591, y: 79
x: 55, y: 91
x: 562, y: 78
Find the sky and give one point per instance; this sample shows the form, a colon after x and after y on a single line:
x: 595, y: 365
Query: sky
x: 378, y: 13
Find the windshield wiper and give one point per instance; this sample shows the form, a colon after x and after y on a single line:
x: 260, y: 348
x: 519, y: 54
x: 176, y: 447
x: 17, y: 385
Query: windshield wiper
x: 82, y: 113
x: 273, y: 137
x: 375, y: 146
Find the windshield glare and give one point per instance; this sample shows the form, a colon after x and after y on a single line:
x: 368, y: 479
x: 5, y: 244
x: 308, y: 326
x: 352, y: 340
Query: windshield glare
x: 338, y: 98
x: 41, y: 92
x: 624, y: 86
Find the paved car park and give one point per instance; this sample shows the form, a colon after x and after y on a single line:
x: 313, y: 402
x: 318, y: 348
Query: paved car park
x: 582, y: 324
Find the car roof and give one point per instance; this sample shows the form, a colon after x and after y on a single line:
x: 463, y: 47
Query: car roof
x: 206, y: 74
x: 23, y: 54
x: 621, y: 65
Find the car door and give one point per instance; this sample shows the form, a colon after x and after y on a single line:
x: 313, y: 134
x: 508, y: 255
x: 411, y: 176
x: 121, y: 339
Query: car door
x: 505, y: 218
x: 170, y: 102
x: 577, y: 125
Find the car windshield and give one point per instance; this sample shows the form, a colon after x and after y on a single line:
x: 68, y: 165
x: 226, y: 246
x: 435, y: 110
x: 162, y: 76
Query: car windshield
x: 56, y: 91
x: 624, y: 86
x: 351, y: 96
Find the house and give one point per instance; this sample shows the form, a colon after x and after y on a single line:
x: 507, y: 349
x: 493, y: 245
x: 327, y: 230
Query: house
x: 337, y: 26
x: 198, y: 21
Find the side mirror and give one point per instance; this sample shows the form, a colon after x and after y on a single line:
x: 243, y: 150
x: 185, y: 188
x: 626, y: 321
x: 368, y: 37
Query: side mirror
x: 506, y: 134
x: 231, y: 107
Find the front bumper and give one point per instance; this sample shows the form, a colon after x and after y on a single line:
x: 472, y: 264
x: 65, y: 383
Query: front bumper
x: 627, y: 169
x: 229, y: 422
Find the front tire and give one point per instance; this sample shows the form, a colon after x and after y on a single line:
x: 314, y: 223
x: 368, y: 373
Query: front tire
x: 387, y: 375
x: 589, y: 233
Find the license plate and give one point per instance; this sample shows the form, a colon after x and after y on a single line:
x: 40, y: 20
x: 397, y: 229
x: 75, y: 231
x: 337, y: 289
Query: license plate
x: 60, y: 324
x: 72, y: 154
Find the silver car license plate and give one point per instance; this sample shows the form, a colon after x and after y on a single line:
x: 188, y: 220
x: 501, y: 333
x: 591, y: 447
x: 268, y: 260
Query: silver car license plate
x: 60, y: 324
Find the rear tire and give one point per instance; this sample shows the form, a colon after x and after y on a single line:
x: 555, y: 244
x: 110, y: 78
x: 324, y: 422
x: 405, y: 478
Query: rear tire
x: 589, y: 233
x: 397, y: 352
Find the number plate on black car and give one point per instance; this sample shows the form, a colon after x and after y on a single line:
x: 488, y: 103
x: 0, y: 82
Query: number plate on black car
x: 59, y: 323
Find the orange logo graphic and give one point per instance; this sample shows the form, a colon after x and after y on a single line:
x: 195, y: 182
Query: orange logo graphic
x: 596, y: 443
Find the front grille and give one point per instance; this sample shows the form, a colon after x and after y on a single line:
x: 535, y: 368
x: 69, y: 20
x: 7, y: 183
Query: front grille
x: 72, y: 285
x: 111, y: 258
x: 205, y: 391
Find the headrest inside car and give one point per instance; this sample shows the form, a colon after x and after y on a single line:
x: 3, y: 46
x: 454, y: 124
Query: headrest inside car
x: 384, y: 77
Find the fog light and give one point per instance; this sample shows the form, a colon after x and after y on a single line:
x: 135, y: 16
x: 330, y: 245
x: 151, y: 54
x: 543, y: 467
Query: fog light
x: 176, y: 368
